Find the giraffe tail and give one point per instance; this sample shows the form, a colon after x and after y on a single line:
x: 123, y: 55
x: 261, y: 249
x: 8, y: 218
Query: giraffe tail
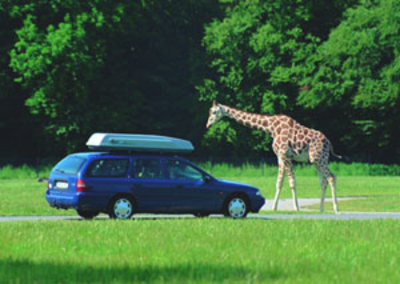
x: 333, y: 153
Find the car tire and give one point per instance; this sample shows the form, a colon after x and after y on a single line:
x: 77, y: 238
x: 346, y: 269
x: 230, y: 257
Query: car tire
x: 201, y: 215
x: 236, y: 207
x: 121, y: 207
x: 87, y: 214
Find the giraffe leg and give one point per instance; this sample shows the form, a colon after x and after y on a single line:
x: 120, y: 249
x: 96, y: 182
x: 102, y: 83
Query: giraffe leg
x: 279, y: 182
x: 324, y: 183
x: 292, y: 183
x: 319, y: 154
x: 332, y: 182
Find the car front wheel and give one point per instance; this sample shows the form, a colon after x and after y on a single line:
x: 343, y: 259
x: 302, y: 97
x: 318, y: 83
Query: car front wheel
x: 236, y: 207
x: 122, y: 208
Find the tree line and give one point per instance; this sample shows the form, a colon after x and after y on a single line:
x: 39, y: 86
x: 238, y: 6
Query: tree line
x: 70, y: 68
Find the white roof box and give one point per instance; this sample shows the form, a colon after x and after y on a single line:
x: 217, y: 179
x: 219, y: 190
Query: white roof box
x: 137, y: 142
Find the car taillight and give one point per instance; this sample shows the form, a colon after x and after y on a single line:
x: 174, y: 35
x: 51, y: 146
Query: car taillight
x: 80, y: 186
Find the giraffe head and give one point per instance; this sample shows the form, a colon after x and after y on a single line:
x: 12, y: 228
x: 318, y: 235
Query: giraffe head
x: 216, y: 113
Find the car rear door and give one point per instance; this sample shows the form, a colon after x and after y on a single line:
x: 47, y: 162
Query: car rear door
x: 106, y: 176
x: 150, y: 186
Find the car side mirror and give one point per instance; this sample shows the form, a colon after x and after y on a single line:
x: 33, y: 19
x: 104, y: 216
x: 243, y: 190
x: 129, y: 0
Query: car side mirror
x: 207, y: 179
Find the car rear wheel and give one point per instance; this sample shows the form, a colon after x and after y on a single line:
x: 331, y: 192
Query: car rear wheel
x: 201, y: 215
x: 122, y: 207
x: 236, y: 207
x: 87, y: 214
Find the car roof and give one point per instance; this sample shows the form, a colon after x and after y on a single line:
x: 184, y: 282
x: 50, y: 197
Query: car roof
x: 88, y: 155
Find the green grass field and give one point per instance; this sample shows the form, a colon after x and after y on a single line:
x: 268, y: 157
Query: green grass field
x: 24, y: 197
x: 206, y: 250
x: 200, y: 251
x: 21, y: 197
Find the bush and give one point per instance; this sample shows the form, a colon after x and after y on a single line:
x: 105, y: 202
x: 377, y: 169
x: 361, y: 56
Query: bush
x: 24, y: 172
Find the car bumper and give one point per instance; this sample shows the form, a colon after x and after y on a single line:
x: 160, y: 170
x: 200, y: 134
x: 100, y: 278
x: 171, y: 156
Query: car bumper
x: 80, y: 200
x: 257, y: 203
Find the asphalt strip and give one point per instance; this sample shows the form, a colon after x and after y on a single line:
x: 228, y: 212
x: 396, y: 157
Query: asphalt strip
x: 342, y: 216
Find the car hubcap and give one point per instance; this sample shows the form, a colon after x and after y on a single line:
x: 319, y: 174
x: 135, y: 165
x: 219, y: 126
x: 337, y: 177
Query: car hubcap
x: 123, y: 208
x: 237, y: 208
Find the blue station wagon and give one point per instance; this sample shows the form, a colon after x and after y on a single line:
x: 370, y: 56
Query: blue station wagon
x: 121, y: 184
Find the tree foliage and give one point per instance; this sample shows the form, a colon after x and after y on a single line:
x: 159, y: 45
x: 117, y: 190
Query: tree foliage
x: 118, y: 66
x: 356, y: 70
x: 69, y: 68
x: 257, y: 52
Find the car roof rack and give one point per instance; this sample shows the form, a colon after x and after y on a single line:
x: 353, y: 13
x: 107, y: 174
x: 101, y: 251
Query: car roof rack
x: 117, y: 142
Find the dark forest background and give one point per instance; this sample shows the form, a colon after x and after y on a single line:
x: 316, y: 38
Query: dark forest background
x: 69, y: 68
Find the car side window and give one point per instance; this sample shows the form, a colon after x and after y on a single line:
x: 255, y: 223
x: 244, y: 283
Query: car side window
x: 108, y: 168
x: 178, y: 170
x: 147, y: 169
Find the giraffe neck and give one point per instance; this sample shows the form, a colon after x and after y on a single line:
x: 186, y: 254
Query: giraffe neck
x: 252, y: 120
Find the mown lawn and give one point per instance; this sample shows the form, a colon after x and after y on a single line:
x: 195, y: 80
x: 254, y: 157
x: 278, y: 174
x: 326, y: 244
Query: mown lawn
x: 200, y: 251
x: 382, y: 193
x: 27, y: 196
x: 369, y: 204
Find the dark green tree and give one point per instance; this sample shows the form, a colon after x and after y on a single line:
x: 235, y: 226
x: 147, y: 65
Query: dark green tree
x: 59, y: 56
x: 120, y: 66
x: 16, y: 124
x: 257, y: 52
x: 355, y: 74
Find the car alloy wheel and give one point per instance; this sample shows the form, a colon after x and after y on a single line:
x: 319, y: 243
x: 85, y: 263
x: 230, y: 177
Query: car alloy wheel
x: 237, y: 208
x: 122, y: 208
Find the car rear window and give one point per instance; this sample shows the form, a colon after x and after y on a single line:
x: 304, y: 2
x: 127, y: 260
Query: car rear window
x: 70, y: 165
x: 148, y: 169
x: 108, y: 168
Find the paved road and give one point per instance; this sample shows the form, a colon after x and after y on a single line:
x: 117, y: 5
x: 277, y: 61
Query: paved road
x: 284, y: 204
x: 287, y: 204
x: 343, y: 216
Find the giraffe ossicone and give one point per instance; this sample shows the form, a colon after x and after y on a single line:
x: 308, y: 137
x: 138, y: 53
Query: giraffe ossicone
x: 291, y: 142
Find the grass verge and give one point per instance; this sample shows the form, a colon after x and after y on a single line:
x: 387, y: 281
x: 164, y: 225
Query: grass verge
x: 21, y: 197
x: 369, y: 204
x: 200, y: 251
x: 26, y: 197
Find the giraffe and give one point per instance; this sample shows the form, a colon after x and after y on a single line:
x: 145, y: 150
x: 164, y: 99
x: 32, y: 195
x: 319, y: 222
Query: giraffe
x: 291, y: 142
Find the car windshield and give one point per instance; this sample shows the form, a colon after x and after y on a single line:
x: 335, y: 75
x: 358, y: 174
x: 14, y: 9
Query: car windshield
x: 70, y: 165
